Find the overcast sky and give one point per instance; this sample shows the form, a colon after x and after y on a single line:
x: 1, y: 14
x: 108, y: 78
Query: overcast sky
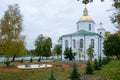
x: 54, y: 18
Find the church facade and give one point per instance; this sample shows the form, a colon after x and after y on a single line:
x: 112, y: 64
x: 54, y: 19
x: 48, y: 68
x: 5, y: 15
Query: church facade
x: 85, y: 36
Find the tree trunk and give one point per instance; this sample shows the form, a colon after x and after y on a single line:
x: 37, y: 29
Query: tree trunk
x: 13, y: 60
x: 7, y: 62
x: 39, y: 59
x: 118, y: 57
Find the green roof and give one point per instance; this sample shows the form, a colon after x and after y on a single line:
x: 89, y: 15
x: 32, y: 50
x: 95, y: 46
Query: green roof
x: 81, y: 32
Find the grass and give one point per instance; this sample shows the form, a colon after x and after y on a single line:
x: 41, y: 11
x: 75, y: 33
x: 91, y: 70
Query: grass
x: 110, y: 71
x: 36, y: 74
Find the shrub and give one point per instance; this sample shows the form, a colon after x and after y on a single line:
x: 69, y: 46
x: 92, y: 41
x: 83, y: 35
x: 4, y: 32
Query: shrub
x: 106, y: 60
x: 89, y: 69
x: 96, y: 65
x: 74, y: 75
x: 51, y: 76
x: 100, y: 62
x: 21, y: 60
x: 31, y: 60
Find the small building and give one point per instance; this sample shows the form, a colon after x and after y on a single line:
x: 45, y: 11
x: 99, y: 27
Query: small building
x: 84, y: 36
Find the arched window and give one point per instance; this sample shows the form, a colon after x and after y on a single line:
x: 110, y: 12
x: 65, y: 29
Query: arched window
x: 92, y: 42
x: 89, y: 27
x: 81, y: 43
x: 74, y: 43
x: 66, y: 43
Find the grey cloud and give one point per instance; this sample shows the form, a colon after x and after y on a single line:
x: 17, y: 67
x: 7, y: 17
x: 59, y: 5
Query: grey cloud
x: 54, y: 18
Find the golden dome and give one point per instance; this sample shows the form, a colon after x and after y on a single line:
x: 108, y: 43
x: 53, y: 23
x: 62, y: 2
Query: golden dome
x: 86, y: 18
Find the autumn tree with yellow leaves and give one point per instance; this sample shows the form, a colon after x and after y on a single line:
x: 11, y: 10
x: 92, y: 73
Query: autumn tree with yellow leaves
x: 11, y: 40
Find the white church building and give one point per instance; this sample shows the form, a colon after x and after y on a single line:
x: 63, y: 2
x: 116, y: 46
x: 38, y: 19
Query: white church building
x: 84, y: 36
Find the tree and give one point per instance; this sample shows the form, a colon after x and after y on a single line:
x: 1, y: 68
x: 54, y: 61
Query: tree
x: 43, y: 46
x: 47, y: 47
x: 74, y: 75
x: 51, y: 76
x: 90, y: 52
x: 88, y: 1
x: 12, y: 42
x: 58, y: 49
x: 89, y: 69
x: 19, y: 48
x: 112, y: 46
x: 69, y: 54
x: 116, y: 16
x: 106, y: 60
x: 107, y: 34
x: 39, y: 43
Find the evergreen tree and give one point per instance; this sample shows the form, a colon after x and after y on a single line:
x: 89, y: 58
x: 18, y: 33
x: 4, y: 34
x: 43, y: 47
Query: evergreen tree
x: 96, y: 65
x: 69, y: 54
x: 74, y: 75
x: 89, y: 69
x: 51, y: 76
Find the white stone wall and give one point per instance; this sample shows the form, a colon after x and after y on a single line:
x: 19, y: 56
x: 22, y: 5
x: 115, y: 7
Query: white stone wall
x: 101, y: 32
x: 87, y: 43
x: 85, y: 26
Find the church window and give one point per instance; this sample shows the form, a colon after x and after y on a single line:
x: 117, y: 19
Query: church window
x: 89, y: 27
x: 81, y: 43
x: 66, y: 43
x: 92, y: 42
x: 74, y: 43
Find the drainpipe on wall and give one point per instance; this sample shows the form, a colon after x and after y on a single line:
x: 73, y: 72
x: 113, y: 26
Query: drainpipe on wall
x: 84, y: 48
x: 71, y: 42
x: 98, y: 48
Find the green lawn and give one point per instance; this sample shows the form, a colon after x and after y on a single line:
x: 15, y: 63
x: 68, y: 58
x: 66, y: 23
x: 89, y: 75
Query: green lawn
x: 33, y: 75
x: 110, y: 71
x: 36, y: 74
